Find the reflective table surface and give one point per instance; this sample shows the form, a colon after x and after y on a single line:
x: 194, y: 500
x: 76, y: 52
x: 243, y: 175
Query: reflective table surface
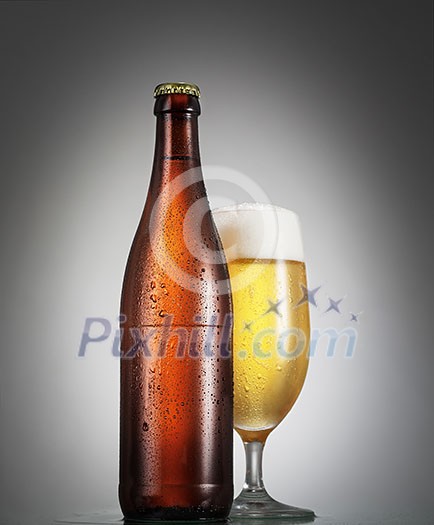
x: 114, y: 517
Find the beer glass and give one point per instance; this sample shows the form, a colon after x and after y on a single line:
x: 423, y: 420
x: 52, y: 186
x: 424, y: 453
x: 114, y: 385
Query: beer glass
x: 264, y: 252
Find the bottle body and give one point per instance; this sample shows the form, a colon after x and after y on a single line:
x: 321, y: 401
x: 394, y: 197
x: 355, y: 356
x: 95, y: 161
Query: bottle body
x: 176, y: 371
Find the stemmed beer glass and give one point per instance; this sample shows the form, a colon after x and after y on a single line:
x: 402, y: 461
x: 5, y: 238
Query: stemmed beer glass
x: 271, y: 334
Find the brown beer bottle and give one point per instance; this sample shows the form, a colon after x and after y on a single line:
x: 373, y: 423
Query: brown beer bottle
x: 176, y: 371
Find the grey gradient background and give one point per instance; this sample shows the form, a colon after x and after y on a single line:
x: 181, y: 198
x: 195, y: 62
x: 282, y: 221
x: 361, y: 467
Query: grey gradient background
x: 325, y: 104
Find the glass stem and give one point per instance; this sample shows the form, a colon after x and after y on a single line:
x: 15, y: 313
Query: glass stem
x: 254, y: 481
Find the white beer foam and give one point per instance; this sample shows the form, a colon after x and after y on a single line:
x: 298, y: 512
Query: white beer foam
x: 259, y: 231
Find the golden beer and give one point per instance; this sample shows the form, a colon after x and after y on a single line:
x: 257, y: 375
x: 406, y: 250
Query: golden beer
x: 271, y: 317
x: 271, y: 342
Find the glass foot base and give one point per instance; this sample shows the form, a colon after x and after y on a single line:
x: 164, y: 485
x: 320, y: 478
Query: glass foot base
x: 259, y: 505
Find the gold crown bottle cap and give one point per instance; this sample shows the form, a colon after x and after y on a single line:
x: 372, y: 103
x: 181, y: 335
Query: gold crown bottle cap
x: 184, y: 88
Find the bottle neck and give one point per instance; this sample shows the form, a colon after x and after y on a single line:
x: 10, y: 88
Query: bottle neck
x: 177, y: 138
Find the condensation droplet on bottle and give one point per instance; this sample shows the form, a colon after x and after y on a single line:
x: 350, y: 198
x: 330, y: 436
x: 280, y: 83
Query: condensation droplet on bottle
x: 162, y: 313
x: 145, y: 426
x: 153, y: 285
x: 153, y: 298
x: 246, y: 388
x: 278, y: 368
